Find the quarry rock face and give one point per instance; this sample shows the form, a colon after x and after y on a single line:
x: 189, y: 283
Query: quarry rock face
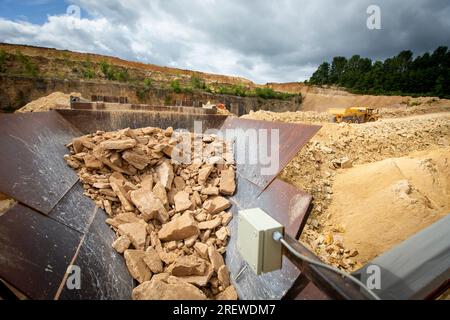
x: 170, y: 218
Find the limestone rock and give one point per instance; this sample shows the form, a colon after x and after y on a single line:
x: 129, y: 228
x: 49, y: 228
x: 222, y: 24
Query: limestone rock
x: 227, y: 182
x: 153, y: 260
x: 171, y: 289
x: 346, y: 163
x: 136, y: 232
x: 179, y: 228
x: 182, y: 201
x: 200, y: 280
x: 118, y: 144
x: 127, y: 217
x: 165, y: 174
x: 188, y: 266
x: 216, y: 205
x: 222, y: 234
x: 179, y: 182
x: 134, y: 260
x: 210, y: 191
x: 121, y: 244
x: 92, y: 162
x: 201, y: 249
x: 161, y: 193
x: 224, y: 276
x: 211, y: 224
x: 189, y: 242
x: 215, y: 258
x: 204, y: 173
x: 122, y: 195
x: 149, y: 205
x: 226, y: 218
x: 228, y: 294
x: 136, y: 160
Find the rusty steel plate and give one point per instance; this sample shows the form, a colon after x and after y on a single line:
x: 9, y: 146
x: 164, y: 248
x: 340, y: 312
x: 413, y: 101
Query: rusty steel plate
x: 75, y: 210
x: 269, y: 286
x: 32, y: 168
x: 35, y: 251
x: 286, y: 204
x: 292, y: 137
x: 104, y: 274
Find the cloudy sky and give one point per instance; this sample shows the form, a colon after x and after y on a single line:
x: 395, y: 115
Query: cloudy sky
x: 262, y: 40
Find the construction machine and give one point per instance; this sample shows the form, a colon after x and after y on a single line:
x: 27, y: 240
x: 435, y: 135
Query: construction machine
x: 354, y: 114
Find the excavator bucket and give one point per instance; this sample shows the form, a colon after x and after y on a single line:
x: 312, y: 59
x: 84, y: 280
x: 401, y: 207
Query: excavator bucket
x: 54, y: 230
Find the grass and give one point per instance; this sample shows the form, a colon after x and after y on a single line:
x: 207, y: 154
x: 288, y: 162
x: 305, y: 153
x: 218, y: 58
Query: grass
x: 2, y: 60
x: 30, y: 68
x: 263, y: 93
x: 143, y: 91
x: 112, y: 73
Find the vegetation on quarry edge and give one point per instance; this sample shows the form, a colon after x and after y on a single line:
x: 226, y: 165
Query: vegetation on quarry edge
x: 424, y: 75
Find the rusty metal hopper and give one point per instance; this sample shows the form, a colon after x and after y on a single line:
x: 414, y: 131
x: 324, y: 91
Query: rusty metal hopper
x: 53, y: 225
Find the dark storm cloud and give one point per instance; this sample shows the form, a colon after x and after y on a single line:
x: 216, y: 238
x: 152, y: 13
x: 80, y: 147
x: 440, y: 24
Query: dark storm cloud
x: 262, y: 40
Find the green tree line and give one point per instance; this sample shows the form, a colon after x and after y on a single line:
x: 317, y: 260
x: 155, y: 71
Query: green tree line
x: 427, y: 74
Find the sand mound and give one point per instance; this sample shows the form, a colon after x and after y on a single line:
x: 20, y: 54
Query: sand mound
x: 379, y: 205
x: 53, y: 100
x: 5, y: 203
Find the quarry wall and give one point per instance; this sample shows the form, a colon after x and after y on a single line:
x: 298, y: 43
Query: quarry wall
x: 16, y: 91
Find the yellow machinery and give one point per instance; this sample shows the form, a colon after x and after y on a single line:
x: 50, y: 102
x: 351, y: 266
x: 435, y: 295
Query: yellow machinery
x: 354, y: 115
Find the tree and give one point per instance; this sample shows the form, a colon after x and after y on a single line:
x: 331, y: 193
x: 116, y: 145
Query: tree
x: 337, y: 69
x: 428, y: 74
x: 321, y: 76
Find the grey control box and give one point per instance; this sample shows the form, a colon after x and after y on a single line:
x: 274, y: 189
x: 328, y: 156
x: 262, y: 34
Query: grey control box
x: 255, y: 240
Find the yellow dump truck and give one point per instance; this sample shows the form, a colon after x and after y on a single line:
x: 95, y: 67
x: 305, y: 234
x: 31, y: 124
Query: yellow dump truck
x: 354, y: 115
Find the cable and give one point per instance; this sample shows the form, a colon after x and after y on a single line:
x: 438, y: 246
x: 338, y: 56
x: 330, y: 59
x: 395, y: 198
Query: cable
x: 277, y: 236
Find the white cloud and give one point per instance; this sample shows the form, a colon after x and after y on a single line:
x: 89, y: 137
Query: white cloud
x: 261, y: 40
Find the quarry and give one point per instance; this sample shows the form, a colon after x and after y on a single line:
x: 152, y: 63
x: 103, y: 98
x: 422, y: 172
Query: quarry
x: 99, y: 178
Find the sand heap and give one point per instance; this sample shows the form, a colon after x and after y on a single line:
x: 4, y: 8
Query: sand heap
x: 380, y: 204
x: 5, y: 203
x: 171, y: 218
x: 54, y: 100
x: 320, y: 170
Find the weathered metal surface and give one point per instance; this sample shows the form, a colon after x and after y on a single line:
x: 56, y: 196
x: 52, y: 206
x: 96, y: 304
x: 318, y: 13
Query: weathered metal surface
x: 286, y: 204
x: 88, y: 121
x: 291, y: 138
x: 311, y: 292
x: 32, y: 168
x: 99, y: 262
x: 35, y: 251
x: 74, y: 210
x: 106, y: 106
x: 104, y: 274
x: 270, y: 286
